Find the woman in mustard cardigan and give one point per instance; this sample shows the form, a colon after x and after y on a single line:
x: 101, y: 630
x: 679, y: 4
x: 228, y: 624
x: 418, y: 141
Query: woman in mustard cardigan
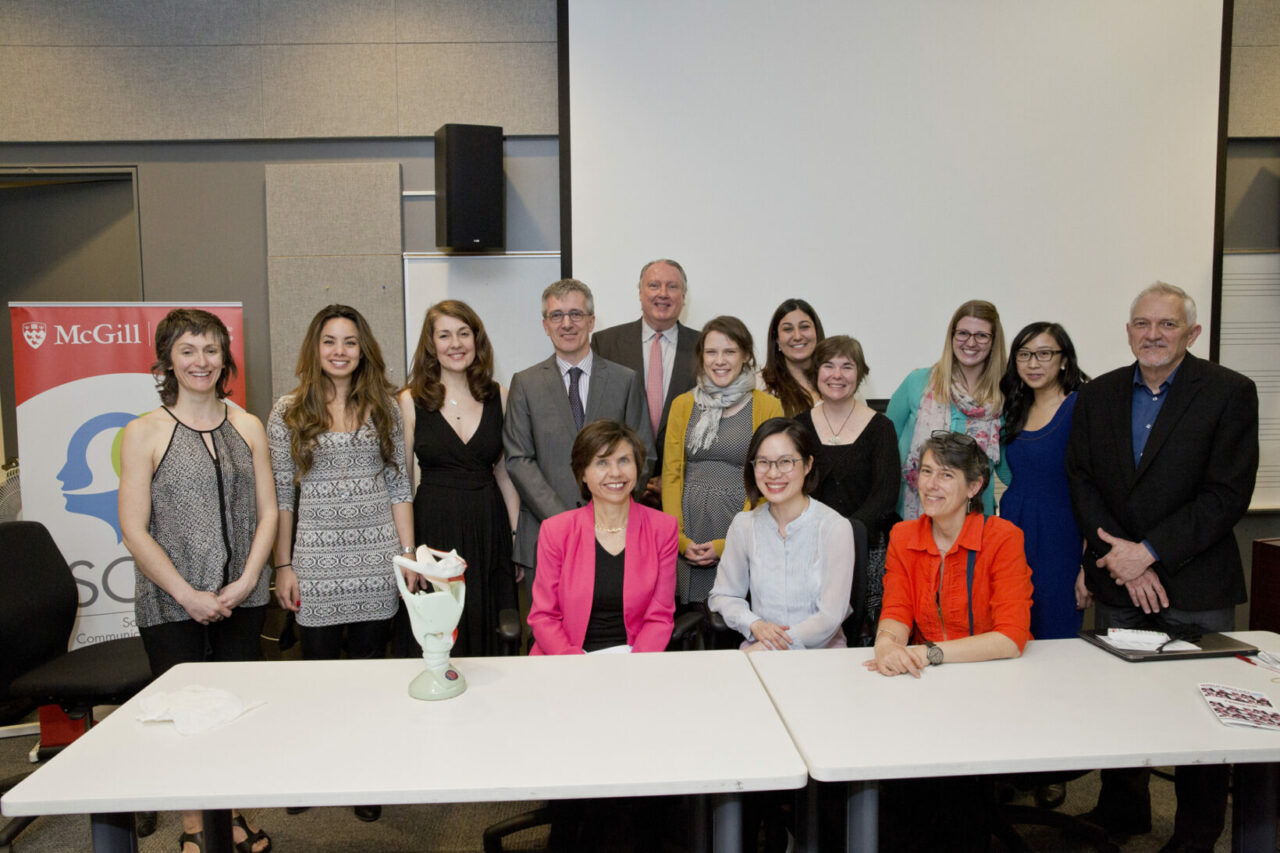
x: 708, y: 433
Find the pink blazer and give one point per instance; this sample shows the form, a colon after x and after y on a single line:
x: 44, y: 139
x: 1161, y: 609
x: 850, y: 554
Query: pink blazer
x: 566, y: 577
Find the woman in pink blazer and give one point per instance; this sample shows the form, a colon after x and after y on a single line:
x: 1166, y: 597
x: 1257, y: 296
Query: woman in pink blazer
x: 606, y: 571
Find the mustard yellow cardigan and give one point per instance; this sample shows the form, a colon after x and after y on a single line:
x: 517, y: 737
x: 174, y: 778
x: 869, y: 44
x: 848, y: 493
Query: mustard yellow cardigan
x: 763, y: 407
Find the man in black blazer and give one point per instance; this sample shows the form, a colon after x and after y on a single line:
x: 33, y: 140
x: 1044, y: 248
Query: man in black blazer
x: 663, y: 287
x: 1162, y: 460
x: 548, y: 404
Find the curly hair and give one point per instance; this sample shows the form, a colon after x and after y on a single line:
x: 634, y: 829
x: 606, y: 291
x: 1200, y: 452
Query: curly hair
x: 424, y: 383
x: 369, y: 395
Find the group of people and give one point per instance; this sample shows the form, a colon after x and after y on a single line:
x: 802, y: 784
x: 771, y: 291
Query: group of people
x: 649, y: 469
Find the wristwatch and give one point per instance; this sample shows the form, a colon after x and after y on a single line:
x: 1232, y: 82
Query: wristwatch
x: 934, y: 653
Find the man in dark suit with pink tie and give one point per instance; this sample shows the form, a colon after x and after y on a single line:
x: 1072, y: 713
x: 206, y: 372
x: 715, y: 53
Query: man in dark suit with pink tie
x: 659, y: 348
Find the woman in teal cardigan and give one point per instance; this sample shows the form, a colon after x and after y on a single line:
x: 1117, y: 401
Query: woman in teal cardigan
x: 960, y: 393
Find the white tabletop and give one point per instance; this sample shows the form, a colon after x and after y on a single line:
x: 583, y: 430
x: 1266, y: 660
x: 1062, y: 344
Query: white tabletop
x: 347, y: 733
x: 1063, y: 705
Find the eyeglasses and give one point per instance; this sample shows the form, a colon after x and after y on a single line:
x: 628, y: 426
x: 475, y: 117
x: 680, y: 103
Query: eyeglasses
x: 785, y: 464
x: 1164, y: 325
x: 574, y: 316
x: 1040, y: 355
x: 958, y: 439
x: 980, y: 338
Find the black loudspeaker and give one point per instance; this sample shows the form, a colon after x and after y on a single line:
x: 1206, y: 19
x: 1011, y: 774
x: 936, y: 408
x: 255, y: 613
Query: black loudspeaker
x: 471, y: 199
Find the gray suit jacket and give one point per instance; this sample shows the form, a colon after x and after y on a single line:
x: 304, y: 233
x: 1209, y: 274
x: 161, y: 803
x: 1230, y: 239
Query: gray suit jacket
x: 538, y: 434
x: 622, y: 344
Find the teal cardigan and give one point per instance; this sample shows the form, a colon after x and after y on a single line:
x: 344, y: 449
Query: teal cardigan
x: 903, y: 406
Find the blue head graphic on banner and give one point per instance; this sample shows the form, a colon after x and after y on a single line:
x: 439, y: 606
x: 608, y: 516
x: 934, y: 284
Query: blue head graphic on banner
x: 79, y: 472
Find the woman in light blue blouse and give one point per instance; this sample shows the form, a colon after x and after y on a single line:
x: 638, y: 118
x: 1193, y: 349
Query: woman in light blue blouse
x: 792, y: 554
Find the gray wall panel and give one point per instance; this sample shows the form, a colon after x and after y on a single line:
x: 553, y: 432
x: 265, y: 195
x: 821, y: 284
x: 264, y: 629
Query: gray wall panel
x: 511, y: 85
x: 110, y: 93
x: 128, y: 22
x: 476, y: 20
x: 299, y: 287
x: 1255, y: 92
x: 329, y: 90
x: 1256, y: 22
x: 342, y: 209
x: 328, y: 21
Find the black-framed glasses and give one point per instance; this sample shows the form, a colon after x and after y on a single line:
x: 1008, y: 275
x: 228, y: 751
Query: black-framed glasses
x: 1041, y: 355
x: 962, y: 335
x: 785, y: 464
x: 575, y: 316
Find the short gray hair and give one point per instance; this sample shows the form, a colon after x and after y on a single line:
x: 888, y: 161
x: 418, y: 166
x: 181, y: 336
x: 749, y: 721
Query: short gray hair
x: 562, y: 288
x: 1162, y: 288
x: 684, y: 279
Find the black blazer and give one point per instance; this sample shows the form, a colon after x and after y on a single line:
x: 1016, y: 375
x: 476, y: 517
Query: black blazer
x: 622, y: 344
x: 1193, y: 483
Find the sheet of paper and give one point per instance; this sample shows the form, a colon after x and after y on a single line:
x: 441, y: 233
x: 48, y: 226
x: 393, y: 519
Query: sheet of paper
x: 1235, y: 706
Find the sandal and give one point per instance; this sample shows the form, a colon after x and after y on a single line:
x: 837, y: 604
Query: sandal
x: 250, y: 838
x: 196, y: 838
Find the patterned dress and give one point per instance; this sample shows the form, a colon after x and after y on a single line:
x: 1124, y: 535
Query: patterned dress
x: 713, y: 494
x: 203, y: 516
x: 345, y: 537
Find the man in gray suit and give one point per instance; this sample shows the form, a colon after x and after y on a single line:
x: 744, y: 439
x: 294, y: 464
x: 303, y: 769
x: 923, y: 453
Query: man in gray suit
x: 549, y: 403
x: 657, y: 338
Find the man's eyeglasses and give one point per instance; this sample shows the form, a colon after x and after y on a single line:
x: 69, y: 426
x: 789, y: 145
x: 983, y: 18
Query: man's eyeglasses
x: 785, y: 465
x: 574, y: 316
x: 962, y: 335
x: 1040, y: 355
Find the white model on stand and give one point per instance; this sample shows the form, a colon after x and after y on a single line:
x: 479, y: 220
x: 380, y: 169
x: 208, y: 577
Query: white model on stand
x: 434, y: 617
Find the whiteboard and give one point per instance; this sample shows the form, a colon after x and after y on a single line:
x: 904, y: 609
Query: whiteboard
x: 504, y: 290
x: 888, y: 161
x: 1250, y: 343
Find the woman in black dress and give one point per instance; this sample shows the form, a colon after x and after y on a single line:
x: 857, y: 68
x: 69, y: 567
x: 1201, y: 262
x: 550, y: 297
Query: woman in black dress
x: 858, y: 464
x: 452, y: 412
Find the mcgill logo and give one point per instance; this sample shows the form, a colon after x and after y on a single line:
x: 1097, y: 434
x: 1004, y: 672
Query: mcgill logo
x: 102, y: 333
x: 34, y: 334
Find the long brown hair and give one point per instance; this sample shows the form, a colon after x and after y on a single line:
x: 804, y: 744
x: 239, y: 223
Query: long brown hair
x: 777, y: 378
x: 988, y: 390
x: 307, y: 415
x: 424, y: 383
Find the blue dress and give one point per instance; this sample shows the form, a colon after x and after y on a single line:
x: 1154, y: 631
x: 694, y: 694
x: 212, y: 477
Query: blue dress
x: 1038, y: 500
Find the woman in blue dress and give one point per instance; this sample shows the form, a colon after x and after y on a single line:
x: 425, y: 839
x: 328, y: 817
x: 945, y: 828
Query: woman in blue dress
x: 1039, y: 388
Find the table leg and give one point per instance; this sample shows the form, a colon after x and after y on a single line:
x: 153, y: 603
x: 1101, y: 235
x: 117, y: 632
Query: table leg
x: 217, y: 831
x: 862, y: 817
x: 726, y: 831
x: 701, y: 822
x: 113, y: 833
x: 806, y: 809
x: 1253, y: 814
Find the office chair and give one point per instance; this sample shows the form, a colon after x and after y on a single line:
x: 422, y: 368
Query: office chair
x: 38, y: 602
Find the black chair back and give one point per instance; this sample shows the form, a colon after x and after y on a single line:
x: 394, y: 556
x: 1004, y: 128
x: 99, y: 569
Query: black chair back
x: 855, y: 626
x: 37, y: 600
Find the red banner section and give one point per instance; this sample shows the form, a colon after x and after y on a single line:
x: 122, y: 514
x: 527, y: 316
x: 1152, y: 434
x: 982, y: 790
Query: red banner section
x: 54, y: 343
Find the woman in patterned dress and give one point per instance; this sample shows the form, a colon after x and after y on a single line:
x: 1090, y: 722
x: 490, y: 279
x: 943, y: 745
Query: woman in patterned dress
x: 198, y: 514
x: 338, y: 439
x: 708, y: 431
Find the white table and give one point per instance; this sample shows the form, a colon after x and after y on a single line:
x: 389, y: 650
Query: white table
x: 1064, y: 705
x: 347, y: 733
